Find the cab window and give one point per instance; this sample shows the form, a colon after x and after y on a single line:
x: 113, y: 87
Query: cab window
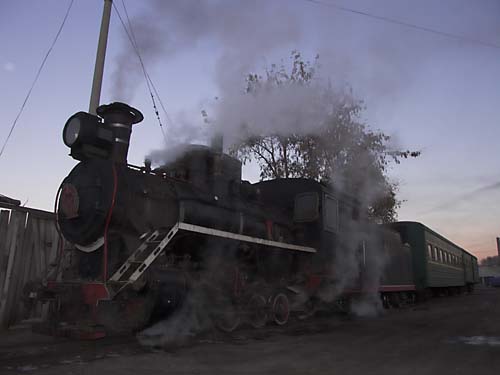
x: 330, y: 213
x: 306, y: 207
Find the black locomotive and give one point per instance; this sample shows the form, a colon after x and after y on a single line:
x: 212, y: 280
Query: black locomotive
x: 148, y: 240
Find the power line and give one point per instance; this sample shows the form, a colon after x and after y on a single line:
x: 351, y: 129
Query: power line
x: 36, y: 78
x: 149, y: 83
x: 464, y: 197
x: 147, y: 74
x: 406, y: 24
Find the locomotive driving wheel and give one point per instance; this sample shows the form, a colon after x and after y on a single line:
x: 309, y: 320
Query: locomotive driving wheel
x: 281, y: 309
x: 257, y: 311
x: 228, y: 319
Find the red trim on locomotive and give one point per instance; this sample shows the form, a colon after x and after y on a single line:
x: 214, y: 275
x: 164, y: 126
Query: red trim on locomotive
x: 94, y: 292
x: 269, y: 229
x: 69, y: 201
x: 314, y: 281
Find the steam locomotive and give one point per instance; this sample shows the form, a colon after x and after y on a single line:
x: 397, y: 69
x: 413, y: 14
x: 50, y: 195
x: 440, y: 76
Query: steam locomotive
x: 148, y: 241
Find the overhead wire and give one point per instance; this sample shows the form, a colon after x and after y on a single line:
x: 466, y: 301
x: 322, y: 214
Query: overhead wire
x: 21, y: 110
x: 145, y: 72
x: 149, y: 83
x: 406, y: 24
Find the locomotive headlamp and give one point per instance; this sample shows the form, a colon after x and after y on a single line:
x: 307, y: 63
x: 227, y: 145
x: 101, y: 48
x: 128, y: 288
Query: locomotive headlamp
x: 78, y: 127
x: 71, y: 131
x: 87, y: 136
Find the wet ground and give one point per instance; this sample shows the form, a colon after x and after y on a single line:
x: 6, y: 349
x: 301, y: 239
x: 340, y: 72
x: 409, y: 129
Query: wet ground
x: 448, y: 335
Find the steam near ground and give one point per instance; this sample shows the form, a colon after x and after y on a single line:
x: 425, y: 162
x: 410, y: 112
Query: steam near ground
x: 183, y: 325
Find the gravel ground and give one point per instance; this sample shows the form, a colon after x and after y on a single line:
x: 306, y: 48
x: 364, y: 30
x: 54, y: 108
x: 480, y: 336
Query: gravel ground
x: 448, y: 335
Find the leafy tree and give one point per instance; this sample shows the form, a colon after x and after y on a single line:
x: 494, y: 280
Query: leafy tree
x: 340, y: 148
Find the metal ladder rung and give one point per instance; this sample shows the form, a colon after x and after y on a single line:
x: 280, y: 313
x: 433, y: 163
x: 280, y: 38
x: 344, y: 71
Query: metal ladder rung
x: 121, y: 271
x: 142, y: 265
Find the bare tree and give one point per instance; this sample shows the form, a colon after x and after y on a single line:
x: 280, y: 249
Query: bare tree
x: 340, y: 149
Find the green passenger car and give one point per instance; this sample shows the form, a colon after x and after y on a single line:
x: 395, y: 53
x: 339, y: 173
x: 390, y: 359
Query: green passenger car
x: 437, y: 262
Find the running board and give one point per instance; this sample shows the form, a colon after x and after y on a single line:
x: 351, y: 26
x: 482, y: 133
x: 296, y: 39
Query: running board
x: 241, y: 237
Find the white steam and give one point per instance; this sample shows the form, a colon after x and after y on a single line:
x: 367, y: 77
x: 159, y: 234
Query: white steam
x: 182, y: 326
x: 247, y: 31
x: 286, y: 109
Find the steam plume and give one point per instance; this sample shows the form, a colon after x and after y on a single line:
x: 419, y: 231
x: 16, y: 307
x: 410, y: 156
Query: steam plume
x: 247, y: 30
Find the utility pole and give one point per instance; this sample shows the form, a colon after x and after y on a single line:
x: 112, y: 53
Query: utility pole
x: 95, y: 95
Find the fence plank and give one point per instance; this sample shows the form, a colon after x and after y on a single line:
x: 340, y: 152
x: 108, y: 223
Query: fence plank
x: 15, y: 292
x: 49, y: 241
x: 9, y: 254
x: 4, y: 246
x: 41, y: 251
x: 4, y: 222
x: 24, y: 270
x: 15, y: 233
x: 54, y: 250
x: 4, y: 255
x: 36, y: 264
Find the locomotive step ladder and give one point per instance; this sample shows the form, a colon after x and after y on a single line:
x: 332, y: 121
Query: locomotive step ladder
x: 141, y: 258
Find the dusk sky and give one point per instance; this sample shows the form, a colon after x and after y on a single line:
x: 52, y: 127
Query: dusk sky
x: 429, y: 92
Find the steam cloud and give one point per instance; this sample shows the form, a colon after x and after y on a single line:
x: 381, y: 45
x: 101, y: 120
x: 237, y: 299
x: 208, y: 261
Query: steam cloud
x: 247, y: 30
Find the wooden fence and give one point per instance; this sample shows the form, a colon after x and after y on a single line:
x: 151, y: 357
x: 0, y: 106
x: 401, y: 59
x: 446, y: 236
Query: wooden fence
x: 29, y: 248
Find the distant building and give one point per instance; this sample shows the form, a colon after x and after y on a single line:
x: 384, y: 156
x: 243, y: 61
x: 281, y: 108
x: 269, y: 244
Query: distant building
x: 489, y: 275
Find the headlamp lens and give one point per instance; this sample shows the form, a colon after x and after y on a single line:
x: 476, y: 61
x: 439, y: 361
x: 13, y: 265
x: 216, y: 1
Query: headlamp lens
x: 72, y: 131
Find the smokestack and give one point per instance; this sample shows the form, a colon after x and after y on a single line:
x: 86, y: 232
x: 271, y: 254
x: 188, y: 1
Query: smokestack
x: 120, y: 117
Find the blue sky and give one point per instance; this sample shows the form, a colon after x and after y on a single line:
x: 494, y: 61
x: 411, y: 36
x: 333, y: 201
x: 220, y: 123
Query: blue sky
x: 428, y: 91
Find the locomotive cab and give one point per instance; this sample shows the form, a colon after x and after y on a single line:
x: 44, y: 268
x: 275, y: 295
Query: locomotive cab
x: 319, y: 212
